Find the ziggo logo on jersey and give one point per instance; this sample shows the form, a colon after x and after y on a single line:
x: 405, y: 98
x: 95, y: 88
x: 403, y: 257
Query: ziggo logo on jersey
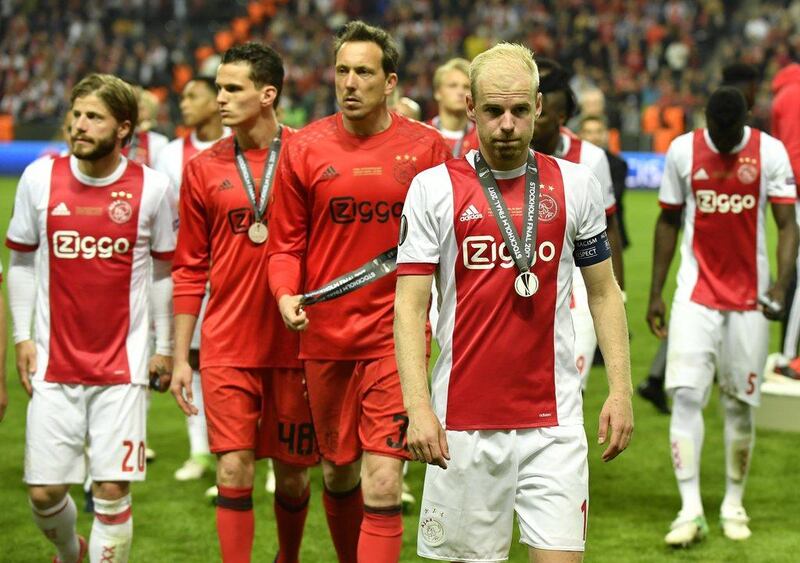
x: 71, y: 245
x: 709, y: 201
x: 480, y: 252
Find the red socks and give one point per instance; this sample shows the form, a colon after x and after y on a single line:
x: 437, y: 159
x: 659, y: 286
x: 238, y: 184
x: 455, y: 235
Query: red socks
x: 235, y: 523
x: 381, y: 535
x: 344, y: 512
x: 290, y: 514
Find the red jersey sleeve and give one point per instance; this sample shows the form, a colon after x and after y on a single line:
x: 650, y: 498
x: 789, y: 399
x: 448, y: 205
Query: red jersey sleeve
x: 287, y: 217
x: 190, y: 264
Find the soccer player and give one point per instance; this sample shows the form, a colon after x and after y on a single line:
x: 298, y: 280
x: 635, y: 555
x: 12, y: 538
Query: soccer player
x: 502, y: 229
x: 252, y: 380
x: 145, y: 143
x: 94, y: 218
x: 721, y: 179
x: 199, y: 110
x: 450, y: 88
x: 552, y: 138
x: 343, y: 181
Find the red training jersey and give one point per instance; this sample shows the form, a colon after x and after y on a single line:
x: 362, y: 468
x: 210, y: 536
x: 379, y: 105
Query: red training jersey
x: 337, y: 206
x: 242, y: 325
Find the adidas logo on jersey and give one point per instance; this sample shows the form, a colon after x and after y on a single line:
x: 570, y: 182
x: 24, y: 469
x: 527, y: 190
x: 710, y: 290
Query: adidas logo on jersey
x: 330, y: 172
x: 60, y: 210
x: 470, y: 214
x: 700, y: 175
x: 225, y: 185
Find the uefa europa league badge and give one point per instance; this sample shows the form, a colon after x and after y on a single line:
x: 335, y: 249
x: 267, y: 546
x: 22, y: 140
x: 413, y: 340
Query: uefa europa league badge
x: 526, y: 284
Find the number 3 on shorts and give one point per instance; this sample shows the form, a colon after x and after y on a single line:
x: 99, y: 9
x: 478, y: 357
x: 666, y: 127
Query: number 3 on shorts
x: 140, y: 456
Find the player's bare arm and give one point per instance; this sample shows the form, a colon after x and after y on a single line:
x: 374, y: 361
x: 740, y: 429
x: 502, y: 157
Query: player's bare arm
x: 160, y: 365
x: 294, y: 316
x: 784, y: 215
x: 22, y: 298
x: 608, y: 313
x: 181, y: 386
x: 615, y: 238
x: 426, y: 437
x: 664, y: 243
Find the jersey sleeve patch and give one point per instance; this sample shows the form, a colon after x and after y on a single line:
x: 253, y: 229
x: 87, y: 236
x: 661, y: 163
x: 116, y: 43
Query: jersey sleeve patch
x: 592, y: 251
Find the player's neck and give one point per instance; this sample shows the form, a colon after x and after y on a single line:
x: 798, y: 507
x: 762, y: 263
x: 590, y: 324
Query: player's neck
x: 377, y: 122
x: 211, y: 130
x: 259, y: 134
x: 102, y: 167
x: 548, y: 146
x: 452, y: 121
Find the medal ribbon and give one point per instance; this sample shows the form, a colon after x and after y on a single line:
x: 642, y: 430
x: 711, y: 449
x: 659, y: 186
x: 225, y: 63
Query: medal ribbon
x: 373, y: 270
x: 267, y: 179
x: 521, y: 250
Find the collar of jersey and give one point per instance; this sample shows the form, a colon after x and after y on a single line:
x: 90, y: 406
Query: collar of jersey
x: 99, y: 182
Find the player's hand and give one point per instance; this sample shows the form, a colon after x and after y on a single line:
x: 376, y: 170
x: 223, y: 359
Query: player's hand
x: 427, y: 441
x: 181, y: 387
x: 26, y: 363
x: 160, y: 369
x: 292, y: 312
x: 3, y: 398
x: 656, y: 315
x: 777, y: 296
x: 616, y: 416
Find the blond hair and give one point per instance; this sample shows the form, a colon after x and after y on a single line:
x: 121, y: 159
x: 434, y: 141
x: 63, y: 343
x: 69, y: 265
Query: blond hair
x: 506, y: 57
x: 453, y: 64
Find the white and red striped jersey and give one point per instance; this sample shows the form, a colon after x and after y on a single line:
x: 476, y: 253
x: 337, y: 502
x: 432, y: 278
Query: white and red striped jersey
x: 172, y: 158
x: 577, y: 150
x: 144, y: 147
x: 506, y: 361
x: 724, y: 262
x: 94, y: 237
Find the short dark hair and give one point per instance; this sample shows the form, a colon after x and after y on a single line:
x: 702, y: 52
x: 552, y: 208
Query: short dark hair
x: 554, y: 78
x: 209, y: 81
x: 266, y: 65
x: 359, y: 31
x: 738, y: 73
x: 117, y: 95
x: 727, y: 107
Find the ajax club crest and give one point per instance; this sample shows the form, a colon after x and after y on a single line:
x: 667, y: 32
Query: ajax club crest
x: 120, y: 210
x: 747, y: 173
x: 405, y: 168
x: 548, y: 208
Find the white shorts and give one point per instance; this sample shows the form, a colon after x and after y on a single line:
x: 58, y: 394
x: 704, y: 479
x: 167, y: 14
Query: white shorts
x: 585, y: 341
x: 704, y: 340
x: 467, y: 510
x: 67, y: 421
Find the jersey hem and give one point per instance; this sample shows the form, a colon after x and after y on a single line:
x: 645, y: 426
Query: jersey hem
x: 166, y: 256
x: 237, y: 364
x: 718, y: 307
x: 524, y: 426
x: 187, y: 304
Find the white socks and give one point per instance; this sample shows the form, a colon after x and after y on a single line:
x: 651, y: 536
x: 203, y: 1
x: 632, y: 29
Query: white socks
x: 112, y: 530
x: 196, y: 425
x: 739, y: 441
x: 686, y: 430
x: 58, y: 525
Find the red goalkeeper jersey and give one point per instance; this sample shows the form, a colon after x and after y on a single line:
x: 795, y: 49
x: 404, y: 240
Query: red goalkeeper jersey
x: 242, y: 325
x: 337, y: 206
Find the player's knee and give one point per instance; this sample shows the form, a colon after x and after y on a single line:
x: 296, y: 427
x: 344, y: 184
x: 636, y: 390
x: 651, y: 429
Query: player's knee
x: 46, y: 496
x: 339, y: 478
x: 236, y: 469
x: 687, y: 398
x: 110, y: 490
x: 382, y: 485
x: 290, y: 480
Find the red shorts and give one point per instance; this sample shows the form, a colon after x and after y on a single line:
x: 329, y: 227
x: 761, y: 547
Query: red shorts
x: 357, y: 406
x: 259, y: 409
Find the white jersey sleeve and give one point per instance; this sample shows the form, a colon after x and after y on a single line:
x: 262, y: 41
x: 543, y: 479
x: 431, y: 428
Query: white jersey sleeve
x: 32, y: 194
x: 591, y: 217
x: 675, y: 187
x: 777, y: 169
x: 164, y: 216
x: 597, y: 161
x: 420, y: 228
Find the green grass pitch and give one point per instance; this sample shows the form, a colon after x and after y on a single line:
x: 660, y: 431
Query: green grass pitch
x: 633, y: 499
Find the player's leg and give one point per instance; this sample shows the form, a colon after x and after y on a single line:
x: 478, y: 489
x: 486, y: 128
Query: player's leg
x: 117, y: 430
x: 232, y: 399
x: 382, y: 432
x: 459, y: 526
x: 744, y: 349
x: 54, y: 444
x: 552, y: 492
x: 286, y: 435
x: 585, y: 341
x: 333, y: 398
x: 695, y: 339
